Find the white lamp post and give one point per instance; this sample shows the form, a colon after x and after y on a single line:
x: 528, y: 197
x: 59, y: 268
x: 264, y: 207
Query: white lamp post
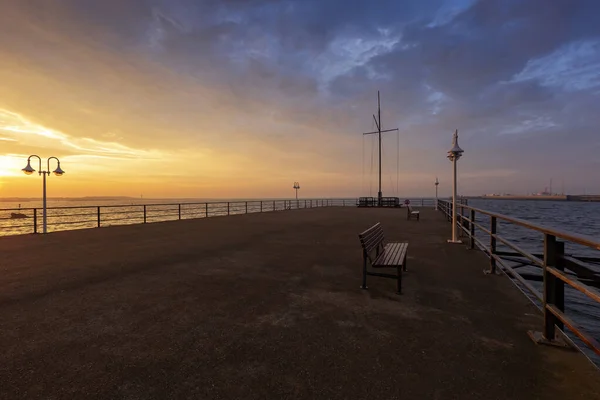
x: 58, y: 172
x: 296, y: 187
x: 436, y: 192
x: 453, y: 155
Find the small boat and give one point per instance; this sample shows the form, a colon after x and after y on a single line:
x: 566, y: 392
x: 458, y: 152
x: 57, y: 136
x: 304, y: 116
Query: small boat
x: 17, y: 215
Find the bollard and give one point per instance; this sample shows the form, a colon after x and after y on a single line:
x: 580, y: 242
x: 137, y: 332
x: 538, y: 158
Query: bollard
x: 98, y: 211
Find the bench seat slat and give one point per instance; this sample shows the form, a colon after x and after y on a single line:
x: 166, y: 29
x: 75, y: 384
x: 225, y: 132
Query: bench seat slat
x: 386, y: 255
x: 392, y: 252
x: 393, y: 255
x: 403, y: 250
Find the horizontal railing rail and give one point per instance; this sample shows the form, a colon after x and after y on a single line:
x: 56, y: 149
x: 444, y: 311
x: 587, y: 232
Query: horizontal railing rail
x: 558, y: 268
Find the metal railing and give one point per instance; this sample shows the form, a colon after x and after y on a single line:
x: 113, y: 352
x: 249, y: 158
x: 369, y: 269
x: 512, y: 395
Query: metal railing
x: 28, y: 220
x: 16, y: 221
x: 558, y: 268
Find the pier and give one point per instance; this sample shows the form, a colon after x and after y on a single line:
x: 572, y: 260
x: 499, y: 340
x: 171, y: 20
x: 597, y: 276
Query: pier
x: 268, y: 305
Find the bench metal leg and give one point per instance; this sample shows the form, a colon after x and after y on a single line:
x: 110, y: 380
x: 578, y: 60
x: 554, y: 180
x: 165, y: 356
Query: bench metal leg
x: 399, y: 280
x: 364, y: 282
x: 404, y: 264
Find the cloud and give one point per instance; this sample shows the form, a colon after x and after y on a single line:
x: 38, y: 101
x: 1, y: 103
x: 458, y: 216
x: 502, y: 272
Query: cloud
x: 573, y: 67
x: 23, y: 130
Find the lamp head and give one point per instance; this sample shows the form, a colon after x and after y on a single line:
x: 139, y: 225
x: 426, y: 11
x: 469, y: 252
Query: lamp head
x: 28, y: 169
x: 455, y: 152
x: 58, y: 171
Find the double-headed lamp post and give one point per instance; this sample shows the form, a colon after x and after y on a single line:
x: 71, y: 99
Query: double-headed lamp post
x: 436, y: 192
x: 453, y: 155
x: 296, y: 187
x: 58, y: 172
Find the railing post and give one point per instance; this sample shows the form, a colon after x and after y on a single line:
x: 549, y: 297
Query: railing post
x: 144, y: 213
x: 179, y: 211
x: 553, y: 287
x: 559, y: 285
x: 35, y: 220
x: 472, y: 230
x: 304, y: 203
x: 462, y: 219
x: 421, y: 202
x: 261, y: 206
x: 246, y: 207
x: 227, y: 208
x: 206, y: 209
x: 273, y: 205
x: 98, y: 216
x: 493, y: 230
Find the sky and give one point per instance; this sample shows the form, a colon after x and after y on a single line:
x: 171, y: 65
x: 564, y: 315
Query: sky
x: 241, y: 98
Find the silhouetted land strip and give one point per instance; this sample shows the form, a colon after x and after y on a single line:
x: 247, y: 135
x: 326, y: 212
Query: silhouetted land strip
x: 268, y: 306
x: 567, y: 197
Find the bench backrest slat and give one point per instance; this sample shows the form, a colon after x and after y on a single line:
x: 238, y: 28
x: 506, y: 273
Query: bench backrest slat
x: 371, y: 238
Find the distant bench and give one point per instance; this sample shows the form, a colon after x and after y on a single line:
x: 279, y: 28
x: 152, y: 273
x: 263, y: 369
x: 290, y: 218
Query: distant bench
x: 390, y: 255
x: 410, y: 213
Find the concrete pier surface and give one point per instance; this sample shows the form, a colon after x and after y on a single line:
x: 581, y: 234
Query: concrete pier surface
x: 268, y: 306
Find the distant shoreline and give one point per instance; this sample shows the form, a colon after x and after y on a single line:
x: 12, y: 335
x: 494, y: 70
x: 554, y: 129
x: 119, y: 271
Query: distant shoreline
x: 568, y: 197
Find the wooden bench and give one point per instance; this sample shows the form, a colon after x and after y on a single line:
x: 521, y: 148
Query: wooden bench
x: 390, y: 255
x: 410, y: 213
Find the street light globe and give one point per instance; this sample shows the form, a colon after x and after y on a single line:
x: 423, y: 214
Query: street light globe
x: 58, y: 171
x: 28, y: 169
x: 455, y: 152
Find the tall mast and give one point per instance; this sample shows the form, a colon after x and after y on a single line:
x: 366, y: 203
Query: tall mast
x: 379, y: 195
x: 379, y: 132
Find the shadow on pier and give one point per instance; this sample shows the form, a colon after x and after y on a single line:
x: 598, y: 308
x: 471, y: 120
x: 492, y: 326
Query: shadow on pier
x: 268, y: 306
